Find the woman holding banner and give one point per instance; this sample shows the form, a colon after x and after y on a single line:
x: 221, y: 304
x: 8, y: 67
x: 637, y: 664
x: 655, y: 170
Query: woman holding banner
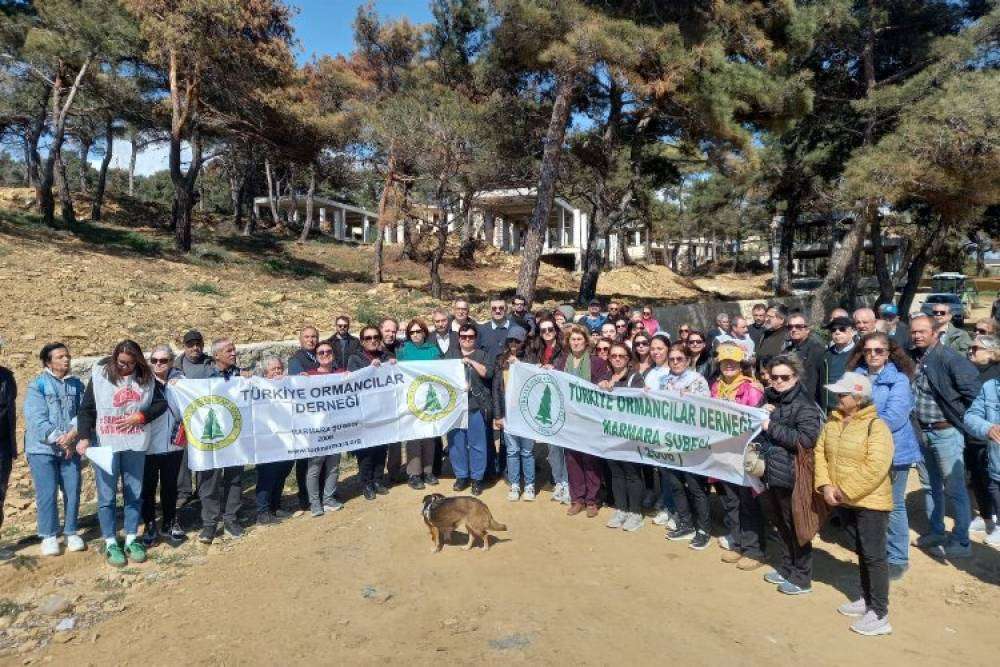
x: 659, y: 349
x: 419, y: 453
x: 467, y: 446
x: 122, y: 397
x: 642, y: 363
x: 163, y: 458
x: 626, y: 476
x: 520, y: 450
x: 583, y: 470
x: 788, y: 433
x: 50, y: 413
x: 544, y: 350
x: 326, y: 466
x: 371, y: 460
x: 689, y: 491
x: 744, y: 520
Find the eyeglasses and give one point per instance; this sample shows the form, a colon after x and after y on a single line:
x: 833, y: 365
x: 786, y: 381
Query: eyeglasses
x: 603, y: 348
x: 695, y: 341
x: 938, y: 313
x: 677, y: 359
x: 641, y: 343
x: 684, y: 331
x: 125, y: 364
x: 646, y: 313
x: 982, y: 332
x: 159, y: 360
x: 841, y: 329
x: 416, y: 331
x: 498, y: 309
x: 546, y: 329
x: 467, y: 336
x: 619, y: 355
x: 875, y: 351
x: 621, y: 326
x: 371, y: 338
x: 324, y: 353
x: 780, y: 377
x: 797, y: 326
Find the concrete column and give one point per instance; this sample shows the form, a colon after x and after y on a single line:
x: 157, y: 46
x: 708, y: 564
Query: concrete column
x: 341, y: 217
x: 579, y: 223
x: 324, y: 223
x: 515, y: 237
x: 366, y: 231
x: 400, y: 233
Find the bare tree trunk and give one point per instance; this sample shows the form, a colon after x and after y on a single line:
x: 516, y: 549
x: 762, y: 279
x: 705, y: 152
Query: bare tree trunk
x: 786, y: 243
x: 271, y: 201
x: 886, y: 286
x: 85, y: 146
x: 60, y: 108
x: 593, y: 257
x: 840, y: 261
x: 134, y: 142
x: 915, y: 271
x: 531, y: 253
x: 307, y: 223
x: 409, y: 240
x: 62, y: 187
x: 102, y: 176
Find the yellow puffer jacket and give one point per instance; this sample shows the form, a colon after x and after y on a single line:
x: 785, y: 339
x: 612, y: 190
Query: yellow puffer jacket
x: 856, y: 456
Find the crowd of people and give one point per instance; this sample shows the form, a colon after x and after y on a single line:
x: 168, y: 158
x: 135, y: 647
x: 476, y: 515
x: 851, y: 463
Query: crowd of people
x: 853, y: 405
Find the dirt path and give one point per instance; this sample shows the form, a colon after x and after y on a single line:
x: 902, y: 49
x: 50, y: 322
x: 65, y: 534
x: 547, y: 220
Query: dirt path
x: 362, y: 586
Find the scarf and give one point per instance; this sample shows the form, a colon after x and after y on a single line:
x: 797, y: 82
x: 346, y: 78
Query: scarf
x: 727, y: 389
x: 580, y: 368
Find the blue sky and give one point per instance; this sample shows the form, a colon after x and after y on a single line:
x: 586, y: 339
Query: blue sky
x: 321, y: 27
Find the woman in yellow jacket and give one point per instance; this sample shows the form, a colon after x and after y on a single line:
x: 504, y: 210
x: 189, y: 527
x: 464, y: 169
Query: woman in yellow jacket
x: 853, y: 458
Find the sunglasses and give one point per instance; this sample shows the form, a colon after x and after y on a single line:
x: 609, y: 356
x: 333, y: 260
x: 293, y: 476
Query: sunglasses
x: 547, y: 329
x: 675, y: 359
x: 602, y: 348
x: 159, y: 360
x: 498, y: 309
x: 695, y: 341
x: 797, y: 326
x: 780, y: 377
x: 125, y: 364
x: 982, y: 332
x: 878, y: 351
x: 641, y: 343
x: 684, y: 331
x: 940, y: 312
x: 467, y: 336
x: 619, y: 356
x: 620, y: 326
x: 416, y: 331
x: 324, y: 353
x: 371, y: 338
x: 840, y: 329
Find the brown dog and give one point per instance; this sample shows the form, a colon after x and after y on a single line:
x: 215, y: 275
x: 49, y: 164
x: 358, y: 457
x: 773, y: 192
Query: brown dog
x: 443, y: 515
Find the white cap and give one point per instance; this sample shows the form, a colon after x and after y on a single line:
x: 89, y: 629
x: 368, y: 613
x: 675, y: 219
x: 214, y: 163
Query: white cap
x: 852, y: 383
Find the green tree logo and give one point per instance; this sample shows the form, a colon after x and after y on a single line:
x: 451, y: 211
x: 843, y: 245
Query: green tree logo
x: 432, y: 404
x: 544, y: 415
x: 212, y: 430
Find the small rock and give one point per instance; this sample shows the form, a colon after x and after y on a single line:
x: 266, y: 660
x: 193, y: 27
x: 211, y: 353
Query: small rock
x: 227, y: 316
x: 54, y: 605
x: 64, y: 637
x: 66, y: 624
x: 952, y: 601
x: 960, y: 589
x: 449, y: 622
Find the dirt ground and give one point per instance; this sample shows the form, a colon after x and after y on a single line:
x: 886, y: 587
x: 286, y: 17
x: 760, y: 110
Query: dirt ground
x: 361, y: 586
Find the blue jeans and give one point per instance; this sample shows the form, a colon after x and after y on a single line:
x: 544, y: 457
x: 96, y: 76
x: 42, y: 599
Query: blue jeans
x: 557, y: 462
x: 270, y: 483
x: 128, y: 466
x: 667, y: 494
x: 898, y: 535
x: 51, y: 474
x: 946, y: 480
x: 520, y: 454
x: 467, y: 448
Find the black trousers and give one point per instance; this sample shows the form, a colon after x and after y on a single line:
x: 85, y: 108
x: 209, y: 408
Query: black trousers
x: 371, y: 461
x: 868, y: 528
x: 626, y: 485
x: 994, y: 488
x: 648, y: 476
x: 796, y: 561
x: 977, y: 462
x: 6, y: 465
x: 185, y: 481
x: 301, y: 466
x: 691, y: 497
x: 744, y: 519
x: 161, y: 470
x: 220, y: 491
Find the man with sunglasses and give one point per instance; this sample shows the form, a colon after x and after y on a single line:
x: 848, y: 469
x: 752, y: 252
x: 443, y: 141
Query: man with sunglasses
x: 344, y: 344
x: 520, y: 315
x: 810, y: 351
x: 944, y: 387
x: 835, y: 359
x: 950, y: 336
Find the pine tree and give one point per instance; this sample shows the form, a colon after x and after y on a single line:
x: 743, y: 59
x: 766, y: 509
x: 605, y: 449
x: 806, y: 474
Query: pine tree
x: 212, y: 430
x: 544, y: 415
x: 432, y: 403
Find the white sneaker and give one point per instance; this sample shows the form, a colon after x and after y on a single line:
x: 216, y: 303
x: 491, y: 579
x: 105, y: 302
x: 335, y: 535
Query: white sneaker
x: 725, y: 542
x: 666, y: 519
x: 529, y: 493
x: 993, y: 539
x: 514, y: 494
x: 617, y: 519
x: 978, y: 525
x: 50, y: 546
x: 871, y: 625
x: 564, y: 498
x: 633, y: 522
x: 557, y: 491
x: 75, y: 543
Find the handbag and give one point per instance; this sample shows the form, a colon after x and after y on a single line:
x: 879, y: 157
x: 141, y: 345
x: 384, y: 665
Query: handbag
x: 754, y: 463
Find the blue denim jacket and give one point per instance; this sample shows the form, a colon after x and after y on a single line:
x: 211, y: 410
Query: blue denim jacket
x: 894, y: 404
x: 51, y: 404
x: 981, y: 415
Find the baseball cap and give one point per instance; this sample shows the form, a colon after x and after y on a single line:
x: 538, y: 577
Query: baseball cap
x: 888, y: 309
x: 193, y: 336
x: 595, y: 302
x: 839, y: 322
x: 852, y: 383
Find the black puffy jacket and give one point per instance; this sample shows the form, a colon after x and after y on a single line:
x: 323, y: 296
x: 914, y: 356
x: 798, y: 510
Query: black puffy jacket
x: 796, y: 419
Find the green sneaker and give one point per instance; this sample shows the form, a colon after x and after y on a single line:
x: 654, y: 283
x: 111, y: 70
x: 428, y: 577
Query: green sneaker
x: 136, y: 552
x: 114, y: 555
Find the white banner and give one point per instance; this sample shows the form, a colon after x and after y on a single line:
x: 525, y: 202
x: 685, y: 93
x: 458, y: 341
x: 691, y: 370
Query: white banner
x: 691, y: 433
x: 253, y: 420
